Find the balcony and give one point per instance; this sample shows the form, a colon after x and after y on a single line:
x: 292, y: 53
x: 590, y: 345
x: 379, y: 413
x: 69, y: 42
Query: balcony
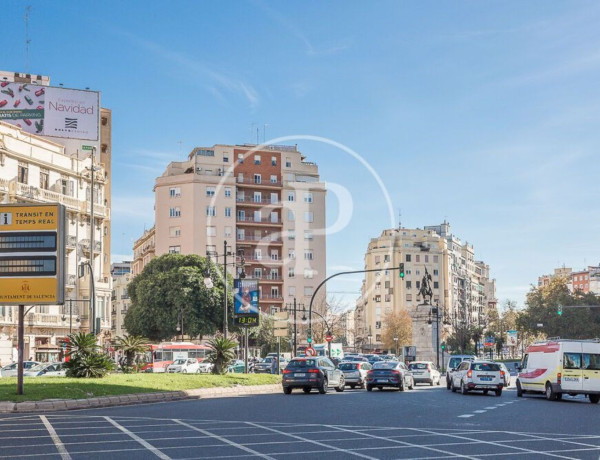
x: 85, y: 244
x: 271, y: 297
x: 267, y: 239
x: 266, y: 278
x: 71, y: 280
x: 71, y: 242
x: 251, y: 181
x: 252, y: 201
x: 251, y: 220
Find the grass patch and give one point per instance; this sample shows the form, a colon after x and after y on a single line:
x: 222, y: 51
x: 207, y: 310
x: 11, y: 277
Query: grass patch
x: 39, y: 388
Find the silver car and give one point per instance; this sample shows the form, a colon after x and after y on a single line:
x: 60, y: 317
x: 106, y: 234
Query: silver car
x: 355, y: 373
x: 11, y: 370
x: 46, y: 370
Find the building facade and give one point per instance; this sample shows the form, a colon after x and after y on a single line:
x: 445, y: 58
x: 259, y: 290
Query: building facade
x: 585, y: 281
x: 143, y: 251
x: 120, y: 301
x: 461, y: 291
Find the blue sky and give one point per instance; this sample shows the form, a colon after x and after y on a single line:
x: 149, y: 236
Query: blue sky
x: 481, y: 113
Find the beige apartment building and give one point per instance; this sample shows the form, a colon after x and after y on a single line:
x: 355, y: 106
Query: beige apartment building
x: 120, y: 301
x: 460, y: 287
x: 267, y: 205
x: 586, y: 280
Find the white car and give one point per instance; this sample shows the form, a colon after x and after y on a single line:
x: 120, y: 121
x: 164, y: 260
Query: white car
x: 425, y: 372
x: 184, y: 366
x: 11, y: 370
x: 205, y: 367
x: 478, y: 376
x: 46, y: 370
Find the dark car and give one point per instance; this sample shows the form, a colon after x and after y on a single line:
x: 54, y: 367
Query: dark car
x: 267, y: 365
x: 314, y: 372
x: 390, y: 374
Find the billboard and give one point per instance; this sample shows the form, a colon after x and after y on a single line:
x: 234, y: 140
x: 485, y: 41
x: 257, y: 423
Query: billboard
x: 51, y: 111
x: 245, y: 302
x: 511, y: 338
x: 32, y: 248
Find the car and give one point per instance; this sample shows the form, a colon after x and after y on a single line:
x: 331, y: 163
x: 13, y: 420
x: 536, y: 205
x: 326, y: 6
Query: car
x: 11, y: 369
x: 266, y: 366
x: 46, y: 370
x: 478, y: 376
x: 314, y: 372
x: 425, y: 372
x: 360, y: 359
x: 506, y: 374
x: 236, y: 367
x: 185, y: 366
x: 355, y: 373
x: 453, y: 362
x: 205, y: 367
x: 390, y: 374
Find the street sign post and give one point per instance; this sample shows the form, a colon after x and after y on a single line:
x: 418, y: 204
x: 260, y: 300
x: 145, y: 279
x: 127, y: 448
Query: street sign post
x: 328, y: 337
x: 310, y: 351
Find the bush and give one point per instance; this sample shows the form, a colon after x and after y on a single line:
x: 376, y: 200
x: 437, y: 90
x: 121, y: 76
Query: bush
x: 85, y: 359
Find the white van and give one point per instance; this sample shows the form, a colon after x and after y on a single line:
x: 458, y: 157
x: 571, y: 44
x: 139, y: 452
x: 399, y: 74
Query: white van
x: 558, y: 366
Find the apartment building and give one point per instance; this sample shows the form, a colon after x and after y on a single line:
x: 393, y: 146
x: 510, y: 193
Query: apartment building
x: 460, y: 287
x: 265, y: 206
x: 120, y: 301
x: 585, y: 281
x: 143, y: 251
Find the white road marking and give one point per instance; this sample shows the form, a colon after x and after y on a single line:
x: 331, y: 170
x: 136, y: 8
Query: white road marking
x: 479, y: 411
x: 57, y: 442
x: 222, y: 439
x: 490, y: 408
x: 147, y: 445
x: 466, y: 416
x: 404, y: 443
x: 312, y: 441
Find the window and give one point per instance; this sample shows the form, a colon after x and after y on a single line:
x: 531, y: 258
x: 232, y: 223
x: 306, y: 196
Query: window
x: 66, y: 186
x: 211, y: 231
x: 291, y: 235
x: 273, y: 161
x: 308, y: 290
x: 227, y: 232
x: 210, y: 191
x: 274, y: 274
x: 273, y: 178
x: 436, y: 272
x: 386, y: 258
x: 417, y: 258
x: 377, y: 260
x: 426, y: 258
x: 591, y: 361
x: 257, y: 197
x: 292, y: 291
x: 377, y: 324
x: 308, y: 273
x: 240, y: 158
x: 288, y: 163
x: 308, y: 234
x: 258, y: 273
x: 436, y: 259
x: 436, y: 285
x: 308, y: 197
x: 257, y: 179
x: 175, y: 192
x: 227, y: 212
x: 227, y: 192
x: 44, y: 179
x: 211, y: 211
x: 308, y: 254
x: 241, y: 214
x: 378, y: 311
x: 256, y: 159
x: 23, y: 173
x: 174, y: 249
x: 408, y: 271
x: 274, y: 292
x: 175, y: 212
x: 274, y: 254
x: 274, y: 198
x: 418, y: 284
x: 409, y: 297
x: 225, y: 158
x: 291, y: 272
x: 257, y: 216
x: 572, y: 361
x: 290, y: 215
x: 408, y: 257
x: 258, y: 254
x: 388, y: 298
x: 241, y: 234
x: 291, y: 196
x: 408, y: 284
x: 308, y: 216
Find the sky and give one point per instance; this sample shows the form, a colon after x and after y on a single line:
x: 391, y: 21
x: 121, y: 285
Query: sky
x: 483, y: 114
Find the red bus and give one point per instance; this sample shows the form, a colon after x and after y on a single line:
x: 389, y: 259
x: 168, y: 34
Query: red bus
x: 160, y: 356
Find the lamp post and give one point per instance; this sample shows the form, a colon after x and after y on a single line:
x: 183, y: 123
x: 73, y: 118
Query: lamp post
x: 396, y: 344
x: 180, y: 322
x: 92, y: 244
x: 436, y: 310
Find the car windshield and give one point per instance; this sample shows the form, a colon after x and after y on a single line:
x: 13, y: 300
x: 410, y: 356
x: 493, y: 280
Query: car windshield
x: 485, y: 367
x: 454, y: 362
x: 347, y: 366
x: 179, y: 361
x: 417, y: 366
x: 300, y: 363
x: 385, y: 365
x: 38, y: 367
x: 268, y: 360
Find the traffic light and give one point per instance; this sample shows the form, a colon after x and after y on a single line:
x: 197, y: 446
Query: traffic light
x: 443, y: 346
x: 402, y: 270
x: 309, y: 339
x: 559, y: 310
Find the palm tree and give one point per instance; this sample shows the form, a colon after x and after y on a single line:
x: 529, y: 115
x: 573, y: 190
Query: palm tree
x: 221, y: 353
x: 82, y: 344
x: 131, y: 345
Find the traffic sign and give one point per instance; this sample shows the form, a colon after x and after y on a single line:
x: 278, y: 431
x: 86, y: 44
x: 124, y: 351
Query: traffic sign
x: 310, y: 351
x: 328, y: 337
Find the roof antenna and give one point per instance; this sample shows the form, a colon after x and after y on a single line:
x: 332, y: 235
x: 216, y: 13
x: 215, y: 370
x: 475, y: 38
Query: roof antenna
x: 27, y: 39
x: 399, y: 219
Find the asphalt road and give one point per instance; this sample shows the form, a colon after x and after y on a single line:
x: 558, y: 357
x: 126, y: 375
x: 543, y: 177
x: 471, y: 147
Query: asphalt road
x: 428, y: 422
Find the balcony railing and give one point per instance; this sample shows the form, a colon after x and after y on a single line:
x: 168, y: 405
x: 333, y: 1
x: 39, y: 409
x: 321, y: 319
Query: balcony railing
x: 271, y: 297
x: 262, y: 220
x: 265, y: 239
x: 85, y: 244
x: 253, y: 200
x: 251, y: 180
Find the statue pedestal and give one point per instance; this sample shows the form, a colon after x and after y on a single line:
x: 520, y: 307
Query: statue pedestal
x: 424, y: 334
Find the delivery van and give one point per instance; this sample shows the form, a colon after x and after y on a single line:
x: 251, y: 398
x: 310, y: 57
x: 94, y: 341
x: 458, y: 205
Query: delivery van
x: 559, y: 366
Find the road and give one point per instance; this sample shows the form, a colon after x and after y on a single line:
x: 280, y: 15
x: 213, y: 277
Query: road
x: 428, y: 422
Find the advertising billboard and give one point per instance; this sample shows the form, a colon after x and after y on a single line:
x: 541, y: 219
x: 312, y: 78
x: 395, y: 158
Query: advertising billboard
x: 51, y: 111
x: 245, y: 302
x: 511, y: 338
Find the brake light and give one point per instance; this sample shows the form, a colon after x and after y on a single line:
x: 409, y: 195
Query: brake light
x: 396, y: 372
x: 287, y: 371
x: 429, y: 368
x: 369, y: 373
x: 469, y: 373
x: 502, y: 374
x: 313, y: 371
x: 559, y: 378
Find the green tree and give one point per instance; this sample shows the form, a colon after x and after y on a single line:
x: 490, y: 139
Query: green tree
x: 174, y: 283
x: 397, y: 325
x: 85, y: 358
x: 221, y: 353
x: 131, y: 345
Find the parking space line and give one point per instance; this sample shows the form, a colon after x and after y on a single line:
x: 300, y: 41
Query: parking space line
x: 544, y: 438
x: 224, y: 440
x: 57, y: 442
x: 405, y: 443
x: 466, y: 416
x: 312, y: 441
x: 147, y: 445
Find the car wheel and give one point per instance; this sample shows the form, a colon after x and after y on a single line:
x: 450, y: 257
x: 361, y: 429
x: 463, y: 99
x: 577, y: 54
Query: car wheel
x: 499, y: 392
x: 431, y: 383
x: 380, y: 388
x: 342, y: 385
x: 306, y: 390
x: 519, y: 390
x: 369, y: 388
x: 485, y: 392
x: 323, y: 387
x: 448, y: 384
x: 439, y: 381
x: 463, y: 388
x: 412, y: 384
x: 452, y: 387
x: 287, y: 390
x: 594, y: 398
x: 352, y: 387
x: 198, y: 371
x: 550, y: 395
x: 185, y: 371
x: 401, y: 385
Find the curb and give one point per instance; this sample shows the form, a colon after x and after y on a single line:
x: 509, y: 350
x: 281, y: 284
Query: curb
x: 136, y: 398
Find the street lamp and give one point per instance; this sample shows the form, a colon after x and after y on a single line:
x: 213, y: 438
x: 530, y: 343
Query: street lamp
x: 396, y: 344
x: 92, y: 170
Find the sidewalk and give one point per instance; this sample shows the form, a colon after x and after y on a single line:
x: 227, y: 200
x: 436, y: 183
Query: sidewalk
x: 50, y: 405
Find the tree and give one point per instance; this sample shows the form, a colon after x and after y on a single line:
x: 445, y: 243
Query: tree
x: 168, y: 285
x: 397, y: 324
x: 221, y: 353
x: 461, y: 340
x: 131, y: 345
x: 85, y: 358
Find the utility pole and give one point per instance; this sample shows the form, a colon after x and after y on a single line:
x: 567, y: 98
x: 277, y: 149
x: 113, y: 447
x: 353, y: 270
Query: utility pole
x: 225, y: 284
x: 92, y: 246
x: 295, y: 331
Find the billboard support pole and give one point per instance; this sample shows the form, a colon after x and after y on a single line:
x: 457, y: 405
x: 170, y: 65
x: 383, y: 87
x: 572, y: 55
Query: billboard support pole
x: 21, y: 341
x: 225, y: 288
x: 92, y: 244
x: 278, y: 354
x: 246, y: 350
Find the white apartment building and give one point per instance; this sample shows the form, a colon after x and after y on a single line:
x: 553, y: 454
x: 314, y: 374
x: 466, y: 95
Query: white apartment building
x: 267, y: 204
x: 460, y: 287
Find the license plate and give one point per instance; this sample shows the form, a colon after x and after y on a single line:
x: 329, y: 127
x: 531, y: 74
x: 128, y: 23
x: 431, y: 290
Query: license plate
x: 382, y: 380
x: 486, y: 378
x: 300, y: 374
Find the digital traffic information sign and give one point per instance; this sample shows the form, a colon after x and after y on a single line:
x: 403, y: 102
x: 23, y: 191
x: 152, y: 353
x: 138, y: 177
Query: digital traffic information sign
x: 32, y: 248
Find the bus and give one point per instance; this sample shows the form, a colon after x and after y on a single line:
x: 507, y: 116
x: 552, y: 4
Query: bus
x: 159, y: 356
